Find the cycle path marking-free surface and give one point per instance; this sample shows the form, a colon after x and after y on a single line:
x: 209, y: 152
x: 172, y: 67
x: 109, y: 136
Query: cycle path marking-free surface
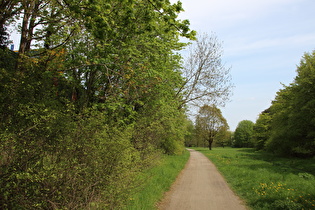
x: 200, y: 186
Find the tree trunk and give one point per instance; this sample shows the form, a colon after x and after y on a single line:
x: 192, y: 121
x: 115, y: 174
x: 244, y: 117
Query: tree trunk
x: 210, y: 144
x: 30, y: 8
x: 24, y: 30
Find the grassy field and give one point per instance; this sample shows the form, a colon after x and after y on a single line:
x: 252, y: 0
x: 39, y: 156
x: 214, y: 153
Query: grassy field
x: 265, y: 181
x: 157, y: 181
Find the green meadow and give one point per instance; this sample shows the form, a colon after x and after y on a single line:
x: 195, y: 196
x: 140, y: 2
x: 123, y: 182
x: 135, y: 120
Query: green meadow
x: 265, y: 181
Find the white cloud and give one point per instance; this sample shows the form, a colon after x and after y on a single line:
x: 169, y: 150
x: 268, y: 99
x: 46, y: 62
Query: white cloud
x: 229, y: 12
x: 245, y: 45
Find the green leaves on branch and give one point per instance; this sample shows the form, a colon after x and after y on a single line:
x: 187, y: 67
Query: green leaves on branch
x: 209, y: 124
x: 287, y: 127
x: 243, y: 134
x: 292, y: 113
x: 89, y: 101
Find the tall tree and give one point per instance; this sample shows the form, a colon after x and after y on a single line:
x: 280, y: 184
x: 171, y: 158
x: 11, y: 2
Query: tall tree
x: 31, y: 10
x: 8, y: 9
x: 93, y: 101
x: 209, y: 122
x: 293, y: 118
x: 243, y: 134
x: 223, y: 137
x: 262, y: 129
x: 207, y: 80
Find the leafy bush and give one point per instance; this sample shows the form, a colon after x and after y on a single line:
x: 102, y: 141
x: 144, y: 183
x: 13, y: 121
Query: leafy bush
x: 89, y: 163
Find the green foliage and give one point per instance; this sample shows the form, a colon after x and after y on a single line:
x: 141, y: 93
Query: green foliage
x: 243, y: 134
x: 209, y: 123
x: 161, y: 127
x: 223, y: 138
x: 189, y: 136
x: 292, y: 113
x: 92, y: 105
x: 88, y: 162
x: 266, y: 181
x: 262, y: 130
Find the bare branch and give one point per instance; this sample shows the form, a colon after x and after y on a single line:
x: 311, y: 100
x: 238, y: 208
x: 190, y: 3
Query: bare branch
x: 207, y: 80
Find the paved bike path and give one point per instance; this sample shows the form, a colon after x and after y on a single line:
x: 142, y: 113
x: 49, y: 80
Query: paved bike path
x: 200, y: 187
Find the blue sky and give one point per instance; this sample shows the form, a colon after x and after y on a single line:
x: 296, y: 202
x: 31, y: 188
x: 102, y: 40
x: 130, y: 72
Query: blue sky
x: 263, y: 42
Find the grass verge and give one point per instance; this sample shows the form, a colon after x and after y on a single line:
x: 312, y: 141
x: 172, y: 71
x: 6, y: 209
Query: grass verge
x: 266, y: 181
x: 157, y: 181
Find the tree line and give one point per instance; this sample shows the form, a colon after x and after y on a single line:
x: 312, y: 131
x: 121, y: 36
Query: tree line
x: 287, y: 126
x: 210, y: 129
x: 96, y: 92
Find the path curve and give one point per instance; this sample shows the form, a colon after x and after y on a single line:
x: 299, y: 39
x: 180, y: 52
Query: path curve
x: 200, y: 187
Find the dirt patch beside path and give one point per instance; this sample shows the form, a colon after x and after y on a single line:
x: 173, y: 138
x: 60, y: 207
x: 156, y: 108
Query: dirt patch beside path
x: 200, y: 187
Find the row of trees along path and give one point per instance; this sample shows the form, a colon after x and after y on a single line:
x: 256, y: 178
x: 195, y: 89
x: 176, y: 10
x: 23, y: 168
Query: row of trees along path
x: 200, y: 186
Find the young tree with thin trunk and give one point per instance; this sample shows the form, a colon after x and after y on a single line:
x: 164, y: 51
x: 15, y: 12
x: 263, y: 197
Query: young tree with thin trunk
x: 209, y: 122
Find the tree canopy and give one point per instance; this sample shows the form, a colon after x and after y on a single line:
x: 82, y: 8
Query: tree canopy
x: 95, y: 93
x: 292, y: 113
x: 243, y: 134
x: 89, y: 100
x: 209, y: 123
x: 262, y: 130
x: 287, y: 126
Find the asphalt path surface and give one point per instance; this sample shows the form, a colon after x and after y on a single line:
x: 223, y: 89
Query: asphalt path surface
x: 200, y: 186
